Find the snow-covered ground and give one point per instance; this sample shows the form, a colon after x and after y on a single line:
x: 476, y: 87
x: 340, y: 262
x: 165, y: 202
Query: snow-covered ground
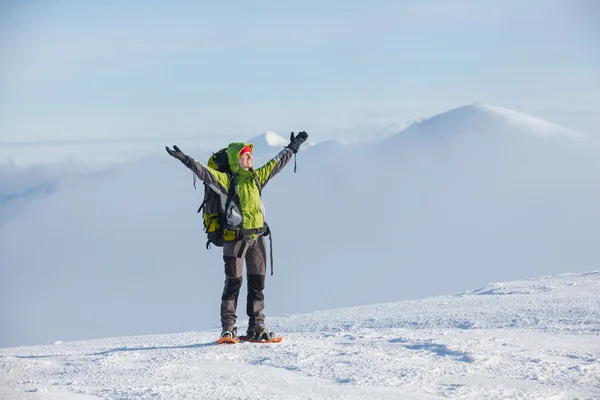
x: 534, y: 339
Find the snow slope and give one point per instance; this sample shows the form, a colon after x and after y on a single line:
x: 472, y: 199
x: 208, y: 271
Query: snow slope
x: 534, y: 339
x: 480, y: 118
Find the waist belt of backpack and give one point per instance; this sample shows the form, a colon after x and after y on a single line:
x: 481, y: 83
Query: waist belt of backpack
x: 248, y: 233
x: 245, y: 234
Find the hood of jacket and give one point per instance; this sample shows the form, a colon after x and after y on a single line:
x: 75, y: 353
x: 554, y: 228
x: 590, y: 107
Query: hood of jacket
x: 233, y: 156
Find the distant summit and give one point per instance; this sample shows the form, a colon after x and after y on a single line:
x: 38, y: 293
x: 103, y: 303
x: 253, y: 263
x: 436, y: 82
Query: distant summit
x: 268, y: 142
x: 480, y: 119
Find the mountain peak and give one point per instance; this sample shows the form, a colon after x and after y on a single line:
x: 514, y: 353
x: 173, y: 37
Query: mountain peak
x: 274, y: 139
x: 482, y: 118
x: 267, y: 141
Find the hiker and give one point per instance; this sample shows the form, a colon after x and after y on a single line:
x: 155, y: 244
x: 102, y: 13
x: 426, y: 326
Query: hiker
x: 244, y: 229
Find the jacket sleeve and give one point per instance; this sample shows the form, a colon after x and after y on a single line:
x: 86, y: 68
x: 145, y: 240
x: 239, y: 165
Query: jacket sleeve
x: 274, y: 166
x: 219, y: 181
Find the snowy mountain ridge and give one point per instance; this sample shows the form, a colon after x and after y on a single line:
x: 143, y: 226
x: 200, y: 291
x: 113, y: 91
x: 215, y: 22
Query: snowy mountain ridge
x: 521, y: 120
x: 534, y: 339
x: 481, y: 118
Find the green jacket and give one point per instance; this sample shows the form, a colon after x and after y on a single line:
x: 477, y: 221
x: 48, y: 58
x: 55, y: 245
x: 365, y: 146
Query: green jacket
x: 249, y: 212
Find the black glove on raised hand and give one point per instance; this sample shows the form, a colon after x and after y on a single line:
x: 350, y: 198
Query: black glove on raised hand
x: 178, y: 154
x: 296, y: 141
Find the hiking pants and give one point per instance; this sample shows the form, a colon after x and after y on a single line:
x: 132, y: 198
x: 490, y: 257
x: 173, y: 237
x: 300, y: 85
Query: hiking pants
x: 254, y: 252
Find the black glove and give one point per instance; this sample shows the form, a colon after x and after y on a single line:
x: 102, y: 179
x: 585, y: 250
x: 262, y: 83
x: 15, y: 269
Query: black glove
x: 178, y: 154
x: 296, y: 141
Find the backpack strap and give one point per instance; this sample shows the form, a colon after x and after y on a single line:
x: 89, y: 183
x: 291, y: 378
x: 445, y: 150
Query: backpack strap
x: 268, y: 233
x: 258, y: 185
x: 231, y: 193
x: 205, y: 198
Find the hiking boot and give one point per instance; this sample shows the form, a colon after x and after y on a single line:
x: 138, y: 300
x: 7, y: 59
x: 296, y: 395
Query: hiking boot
x: 260, y: 333
x: 229, y: 333
x: 253, y: 330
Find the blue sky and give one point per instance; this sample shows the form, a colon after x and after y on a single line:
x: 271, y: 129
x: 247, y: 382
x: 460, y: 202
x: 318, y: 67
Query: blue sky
x: 72, y: 70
